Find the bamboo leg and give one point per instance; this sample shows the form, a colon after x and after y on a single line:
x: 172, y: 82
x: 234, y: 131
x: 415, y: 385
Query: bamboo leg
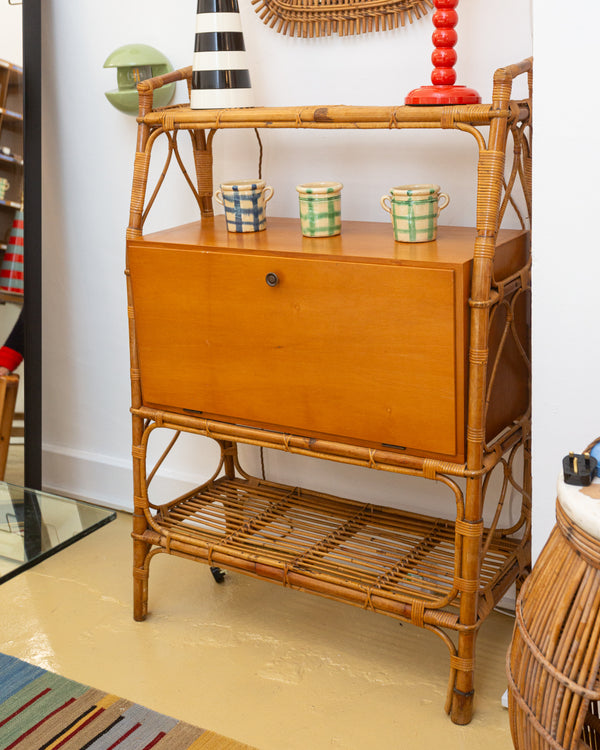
x: 462, y: 698
x: 203, y: 162
x: 526, y: 511
x: 140, y: 548
x: 527, y: 490
x: 140, y: 577
x: 489, y: 188
x: 229, y: 451
x: 8, y: 396
x: 140, y: 525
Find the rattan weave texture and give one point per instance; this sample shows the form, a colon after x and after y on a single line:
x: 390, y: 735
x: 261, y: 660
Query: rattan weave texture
x: 312, y: 18
x: 371, y: 552
x: 553, y: 664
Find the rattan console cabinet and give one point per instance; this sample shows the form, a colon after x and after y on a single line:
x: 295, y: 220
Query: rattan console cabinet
x: 353, y: 349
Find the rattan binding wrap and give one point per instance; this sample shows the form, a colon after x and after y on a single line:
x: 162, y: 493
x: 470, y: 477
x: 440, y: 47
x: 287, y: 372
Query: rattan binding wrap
x: 313, y: 18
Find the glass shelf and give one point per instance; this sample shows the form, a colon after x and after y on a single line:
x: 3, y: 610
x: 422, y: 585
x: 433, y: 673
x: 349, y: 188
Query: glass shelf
x: 35, y: 525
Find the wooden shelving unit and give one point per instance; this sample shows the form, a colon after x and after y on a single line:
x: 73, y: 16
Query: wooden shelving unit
x: 364, y: 353
x: 11, y: 144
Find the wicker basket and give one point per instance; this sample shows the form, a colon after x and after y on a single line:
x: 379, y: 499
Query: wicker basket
x: 554, y: 660
x: 312, y: 18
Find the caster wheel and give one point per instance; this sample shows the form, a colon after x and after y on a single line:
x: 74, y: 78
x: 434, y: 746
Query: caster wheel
x: 218, y: 574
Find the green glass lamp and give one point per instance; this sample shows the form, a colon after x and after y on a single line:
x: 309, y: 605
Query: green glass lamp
x: 135, y: 63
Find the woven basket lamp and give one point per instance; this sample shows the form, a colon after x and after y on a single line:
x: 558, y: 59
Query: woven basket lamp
x: 553, y: 665
x: 443, y: 78
x: 220, y: 76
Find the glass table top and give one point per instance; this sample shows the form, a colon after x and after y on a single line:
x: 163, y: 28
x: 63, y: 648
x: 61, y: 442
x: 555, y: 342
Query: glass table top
x: 35, y: 525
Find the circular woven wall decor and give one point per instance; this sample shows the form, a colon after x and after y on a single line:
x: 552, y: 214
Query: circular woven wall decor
x: 311, y: 18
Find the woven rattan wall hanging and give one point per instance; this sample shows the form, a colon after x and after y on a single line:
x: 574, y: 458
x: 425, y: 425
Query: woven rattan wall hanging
x: 310, y: 18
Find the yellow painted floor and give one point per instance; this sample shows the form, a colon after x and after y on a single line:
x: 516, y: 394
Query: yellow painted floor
x: 15, y: 466
x: 277, y: 669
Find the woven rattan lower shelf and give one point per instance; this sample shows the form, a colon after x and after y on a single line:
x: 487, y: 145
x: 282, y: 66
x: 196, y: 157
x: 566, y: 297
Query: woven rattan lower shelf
x: 384, y: 559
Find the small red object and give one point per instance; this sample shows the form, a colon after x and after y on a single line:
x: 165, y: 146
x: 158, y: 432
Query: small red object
x: 444, y: 89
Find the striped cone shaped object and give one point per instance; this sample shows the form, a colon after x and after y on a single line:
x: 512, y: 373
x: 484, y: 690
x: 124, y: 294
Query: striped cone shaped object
x: 11, y: 271
x: 220, y: 76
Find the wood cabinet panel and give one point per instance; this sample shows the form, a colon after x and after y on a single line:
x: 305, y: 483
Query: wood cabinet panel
x: 362, y: 339
x: 358, y: 351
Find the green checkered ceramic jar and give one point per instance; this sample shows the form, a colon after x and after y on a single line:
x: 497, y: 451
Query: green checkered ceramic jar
x: 414, y: 210
x: 320, y: 208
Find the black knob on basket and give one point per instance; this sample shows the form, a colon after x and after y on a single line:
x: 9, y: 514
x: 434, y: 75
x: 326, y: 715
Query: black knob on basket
x: 272, y: 279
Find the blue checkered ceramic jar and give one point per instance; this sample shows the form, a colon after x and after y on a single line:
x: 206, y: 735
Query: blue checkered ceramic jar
x: 414, y: 210
x: 320, y: 208
x: 245, y: 203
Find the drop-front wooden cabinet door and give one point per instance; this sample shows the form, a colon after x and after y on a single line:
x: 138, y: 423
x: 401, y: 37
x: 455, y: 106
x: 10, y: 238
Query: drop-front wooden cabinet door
x: 356, y: 338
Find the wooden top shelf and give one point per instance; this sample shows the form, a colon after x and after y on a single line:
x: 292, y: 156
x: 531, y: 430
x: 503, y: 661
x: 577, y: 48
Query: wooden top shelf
x: 359, y: 240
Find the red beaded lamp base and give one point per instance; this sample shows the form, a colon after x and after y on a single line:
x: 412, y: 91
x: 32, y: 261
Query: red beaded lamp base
x: 443, y: 77
x: 443, y: 95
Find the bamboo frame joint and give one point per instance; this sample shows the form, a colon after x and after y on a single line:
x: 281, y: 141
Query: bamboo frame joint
x: 470, y: 694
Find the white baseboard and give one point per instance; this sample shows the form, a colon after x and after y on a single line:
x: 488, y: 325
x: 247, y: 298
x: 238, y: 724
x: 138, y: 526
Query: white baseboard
x: 104, y: 480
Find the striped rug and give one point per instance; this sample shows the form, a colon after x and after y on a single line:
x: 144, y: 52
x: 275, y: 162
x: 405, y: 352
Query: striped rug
x: 40, y: 710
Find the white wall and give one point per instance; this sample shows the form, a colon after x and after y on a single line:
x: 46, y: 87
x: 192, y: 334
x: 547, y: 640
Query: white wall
x: 11, y: 42
x: 88, y: 157
x: 566, y: 253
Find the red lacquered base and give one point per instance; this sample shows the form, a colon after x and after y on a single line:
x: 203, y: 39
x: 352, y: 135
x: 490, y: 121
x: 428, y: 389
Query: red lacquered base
x: 443, y: 95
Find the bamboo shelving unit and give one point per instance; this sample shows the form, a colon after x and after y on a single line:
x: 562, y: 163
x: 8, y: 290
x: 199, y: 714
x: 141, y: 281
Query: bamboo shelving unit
x: 11, y: 138
x: 442, y: 575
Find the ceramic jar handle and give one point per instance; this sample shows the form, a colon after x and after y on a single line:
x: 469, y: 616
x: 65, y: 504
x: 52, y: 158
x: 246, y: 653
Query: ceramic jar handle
x: 385, y: 198
x: 219, y: 197
x: 270, y: 195
x: 447, y: 197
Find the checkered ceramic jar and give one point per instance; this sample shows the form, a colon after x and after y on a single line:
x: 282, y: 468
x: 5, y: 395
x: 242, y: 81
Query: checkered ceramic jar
x: 414, y: 210
x: 320, y: 208
x: 245, y: 202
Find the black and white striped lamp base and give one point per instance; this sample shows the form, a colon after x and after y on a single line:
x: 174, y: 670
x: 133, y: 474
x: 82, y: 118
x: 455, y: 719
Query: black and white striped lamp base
x: 220, y: 76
